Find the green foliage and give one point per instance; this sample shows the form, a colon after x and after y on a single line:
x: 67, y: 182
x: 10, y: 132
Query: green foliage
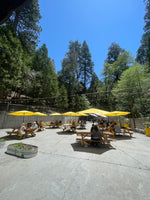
x: 45, y: 83
x: 12, y: 61
x: 132, y: 90
x: 62, y: 102
x: 22, y: 146
x: 112, y: 72
x: 143, y: 53
x: 113, y: 53
x: 97, y: 93
x: 95, y: 84
x: 25, y: 23
x: 86, y: 66
x: 81, y: 103
x: 146, y: 124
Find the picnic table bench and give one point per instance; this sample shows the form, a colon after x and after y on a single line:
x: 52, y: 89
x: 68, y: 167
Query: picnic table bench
x: 85, y: 138
x: 15, y: 131
x: 69, y: 127
x: 127, y: 130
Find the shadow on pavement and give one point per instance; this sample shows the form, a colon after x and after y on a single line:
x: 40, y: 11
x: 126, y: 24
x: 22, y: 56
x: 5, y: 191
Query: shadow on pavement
x: 123, y: 137
x: 7, y: 138
x: 13, y: 137
x: 68, y: 132
x: 99, y: 149
x: 81, y: 128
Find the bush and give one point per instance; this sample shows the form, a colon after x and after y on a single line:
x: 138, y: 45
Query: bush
x: 146, y: 124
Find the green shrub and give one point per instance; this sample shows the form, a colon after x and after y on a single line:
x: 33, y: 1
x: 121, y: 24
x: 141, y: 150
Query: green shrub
x: 22, y: 146
x: 146, y: 124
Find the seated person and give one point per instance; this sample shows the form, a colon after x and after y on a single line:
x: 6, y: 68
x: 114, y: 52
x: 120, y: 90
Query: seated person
x: 52, y: 124
x: 107, y: 124
x: 101, y: 124
x: 22, y: 130
x: 82, y: 124
x: 59, y: 123
x: 40, y: 126
x: 79, y: 121
x: 111, y: 127
x: 117, y: 128
x: 33, y: 128
x: 73, y: 126
x: 92, y: 127
x: 56, y: 123
x: 96, y: 133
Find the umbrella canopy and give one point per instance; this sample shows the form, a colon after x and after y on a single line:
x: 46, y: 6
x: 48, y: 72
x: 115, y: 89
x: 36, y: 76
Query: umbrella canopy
x: 40, y: 114
x: 53, y: 114
x: 94, y: 111
x: 23, y: 113
x: 82, y: 114
x: 101, y: 115
x: 71, y: 114
x: 117, y: 113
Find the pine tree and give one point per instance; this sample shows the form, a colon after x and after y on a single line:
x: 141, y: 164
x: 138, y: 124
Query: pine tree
x: 113, y: 53
x: 143, y: 53
x: 12, y: 62
x: 25, y: 24
x: 45, y: 82
x: 86, y: 66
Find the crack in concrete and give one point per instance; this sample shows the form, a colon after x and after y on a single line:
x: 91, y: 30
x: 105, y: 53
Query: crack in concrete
x: 132, y: 157
x: 100, y: 161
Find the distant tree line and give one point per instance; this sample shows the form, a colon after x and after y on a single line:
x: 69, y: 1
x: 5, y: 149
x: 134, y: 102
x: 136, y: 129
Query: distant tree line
x: 27, y: 70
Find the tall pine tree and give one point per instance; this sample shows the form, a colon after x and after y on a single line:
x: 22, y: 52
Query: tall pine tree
x: 25, y: 23
x: 86, y: 66
x: 143, y: 53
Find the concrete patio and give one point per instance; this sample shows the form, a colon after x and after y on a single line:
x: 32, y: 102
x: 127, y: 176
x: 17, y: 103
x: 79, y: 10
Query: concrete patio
x: 63, y: 170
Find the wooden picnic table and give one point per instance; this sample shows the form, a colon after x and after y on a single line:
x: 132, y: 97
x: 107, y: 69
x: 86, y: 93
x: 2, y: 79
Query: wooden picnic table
x: 127, y: 130
x: 67, y: 127
x: 15, y: 131
x: 85, y: 137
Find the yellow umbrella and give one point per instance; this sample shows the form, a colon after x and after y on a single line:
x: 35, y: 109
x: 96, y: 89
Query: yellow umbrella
x: 40, y: 114
x: 94, y: 111
x: 23, y: 113
x: 53, y: 114
x: 117, y: 113
x: 81, y: 114
x: 71, y: 114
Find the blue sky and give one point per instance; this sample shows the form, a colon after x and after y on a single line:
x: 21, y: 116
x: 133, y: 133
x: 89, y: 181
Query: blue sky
x: 99, y: 22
